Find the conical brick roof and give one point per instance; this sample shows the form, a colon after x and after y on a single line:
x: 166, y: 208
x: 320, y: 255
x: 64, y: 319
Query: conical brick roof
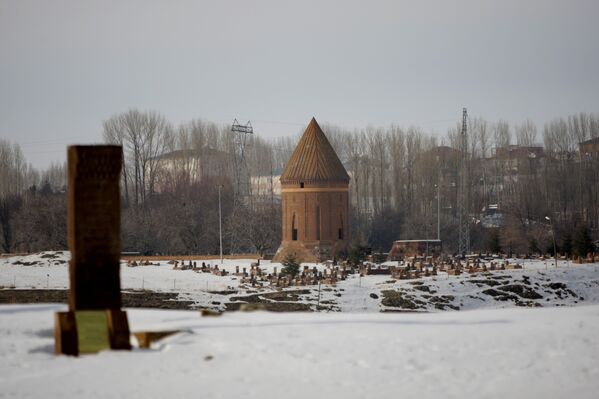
x: 314, y: 159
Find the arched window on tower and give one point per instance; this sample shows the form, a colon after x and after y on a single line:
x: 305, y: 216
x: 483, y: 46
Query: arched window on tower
x: 340, y: 227
x: 293, y: 229
x: 318, y: 223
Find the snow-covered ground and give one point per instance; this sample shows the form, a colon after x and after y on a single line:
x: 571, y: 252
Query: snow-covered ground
x: 487, y: 352
x: 492, y: 353
x: 539, y: 283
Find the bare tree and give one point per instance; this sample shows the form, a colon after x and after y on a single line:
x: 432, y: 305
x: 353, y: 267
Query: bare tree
x: 114, y: 133
x: 173, y: 177
x: 502, y: 134
x: 15, y: 173
x: 526, y: 133
x: 56, y: 176
x: 143, y: 136
x: 481, y: 129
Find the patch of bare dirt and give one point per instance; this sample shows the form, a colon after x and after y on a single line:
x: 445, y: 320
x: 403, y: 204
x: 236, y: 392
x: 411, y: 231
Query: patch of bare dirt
x: 131, y: 299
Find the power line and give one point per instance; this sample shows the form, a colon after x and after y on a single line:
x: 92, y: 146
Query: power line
x: 57, y: 141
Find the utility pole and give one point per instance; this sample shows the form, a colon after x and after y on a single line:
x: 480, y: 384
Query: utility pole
x: 553, y: 236
x: 463, y: 209
x: 318, y: 304
x: 220, y: 225
x: 438, y: 211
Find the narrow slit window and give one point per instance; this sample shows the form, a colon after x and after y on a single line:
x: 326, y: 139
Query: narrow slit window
x: 340, y: 235
x: 293, y: 229
x: 318, y: 223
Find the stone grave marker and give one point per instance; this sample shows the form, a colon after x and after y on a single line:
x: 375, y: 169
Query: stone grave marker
x: 95, y: 320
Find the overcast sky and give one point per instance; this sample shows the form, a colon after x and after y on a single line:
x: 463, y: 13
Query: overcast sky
x: 65, y: 66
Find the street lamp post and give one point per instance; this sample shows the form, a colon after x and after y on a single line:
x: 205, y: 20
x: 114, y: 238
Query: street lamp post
x: 220, y: 226
x: 553, y: 236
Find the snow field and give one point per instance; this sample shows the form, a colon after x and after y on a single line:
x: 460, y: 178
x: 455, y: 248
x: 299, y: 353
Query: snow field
x: 50, y: 270
x: 499, y: 353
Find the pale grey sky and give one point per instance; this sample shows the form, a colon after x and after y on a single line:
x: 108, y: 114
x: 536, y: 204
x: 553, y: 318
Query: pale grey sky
x: 65, y: 66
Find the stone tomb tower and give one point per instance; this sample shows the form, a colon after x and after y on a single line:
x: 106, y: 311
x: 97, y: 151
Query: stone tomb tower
x: 314, y: 199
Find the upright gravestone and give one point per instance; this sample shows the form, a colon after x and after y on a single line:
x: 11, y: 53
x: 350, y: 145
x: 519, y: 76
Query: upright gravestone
x: 95, y: 320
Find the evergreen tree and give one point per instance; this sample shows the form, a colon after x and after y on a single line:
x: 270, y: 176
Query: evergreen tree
x: 357, y: 253
x: 583, y: 243
x: 494, y: 244
x: 567, y: 244
x: 290, y: 265
x: 533, y: 246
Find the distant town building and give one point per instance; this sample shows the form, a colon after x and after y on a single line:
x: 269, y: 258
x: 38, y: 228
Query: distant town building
x: 190, y: 166
x: 266, y: 186
x: 402, y: 249
x: 516, y: 160
x: 491, y: 217
x: 314, y: 201
x: 589, y: 148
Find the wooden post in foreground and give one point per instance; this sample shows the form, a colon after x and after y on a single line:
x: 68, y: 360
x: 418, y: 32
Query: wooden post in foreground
x: 95, y: 320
